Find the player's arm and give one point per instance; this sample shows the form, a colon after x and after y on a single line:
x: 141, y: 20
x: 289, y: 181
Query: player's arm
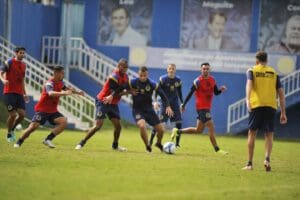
x: 3, y: 71
x: 188, y: 97
x: 249, y: 86
x: 218, y: 91
x: 179, y: 93
x: 280, y: 92
x: 74, y: 91
x: 52, y: 93
x: 164, y: 98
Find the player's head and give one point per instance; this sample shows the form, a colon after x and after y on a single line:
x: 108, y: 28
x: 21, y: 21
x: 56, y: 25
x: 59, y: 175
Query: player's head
x: 216, y: 24
x: 171, y: 69
x: 261, y: 57
x: 123, y: 65
x: 59, y: 72
x: 205, y: 68
x: 293, y: 32
x: 120, y: 19
x: 143, y: 73
x: 20, y: 52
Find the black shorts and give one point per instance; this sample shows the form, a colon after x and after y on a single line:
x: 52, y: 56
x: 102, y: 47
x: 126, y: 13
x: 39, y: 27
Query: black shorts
x: 111, y: 110
x: 42, y: 117
x: 262, y: 118
x: 148, y: 115
x: 14, y: 101
x: 204, y: 115
x: 175, y: 118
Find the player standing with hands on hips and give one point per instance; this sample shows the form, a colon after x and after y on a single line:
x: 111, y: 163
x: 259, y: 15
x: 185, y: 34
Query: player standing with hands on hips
x: 204, y: 88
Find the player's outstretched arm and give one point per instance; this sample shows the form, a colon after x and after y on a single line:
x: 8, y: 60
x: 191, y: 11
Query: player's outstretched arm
x: 187, y: 98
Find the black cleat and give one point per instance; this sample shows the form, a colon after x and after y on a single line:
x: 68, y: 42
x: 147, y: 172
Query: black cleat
x: 160, y: 146
x: 149, y: 149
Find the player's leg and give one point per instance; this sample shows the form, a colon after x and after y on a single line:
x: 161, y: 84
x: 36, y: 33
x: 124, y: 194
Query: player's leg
x: 20, y: 118
x: 11, y: 105
x: 97, y: 126
x: 117, y: 132
x: 26, y: 133
x: 160, y: 132
x: 251, y: 145
x: 141, y: 123
x: 189, y: 130
x: 60, y: 123
x: 268, y: 149
x: 212, y: 136
x: 101, y: 110
x: 178, y: 125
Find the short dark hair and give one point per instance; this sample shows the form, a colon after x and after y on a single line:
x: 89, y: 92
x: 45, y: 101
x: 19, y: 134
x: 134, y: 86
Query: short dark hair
x: 19, y: 48
x: 214, y: 14
x: 261, y: 56
x: 121, y: 8
x: 143, y: 69
x: 58, y: 68
x: 123, y: 61
x: 206, y: 63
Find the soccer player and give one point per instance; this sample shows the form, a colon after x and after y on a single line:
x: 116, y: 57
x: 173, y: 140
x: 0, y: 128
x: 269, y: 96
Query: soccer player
x: 142, y: 90
x: 12, y: 76
x: 204, y: 88
x: 46, y: 108
x: 107, y: 104
x: 171, y: 85
x: 263, y: 85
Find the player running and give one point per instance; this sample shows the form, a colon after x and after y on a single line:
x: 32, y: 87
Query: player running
x: 46, y: 108
x: 204, y: 88
x: 107, y: 104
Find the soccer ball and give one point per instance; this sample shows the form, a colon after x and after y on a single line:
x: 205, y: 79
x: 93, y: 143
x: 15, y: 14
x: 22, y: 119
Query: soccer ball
x: 169, y: 147
x: 19, y: 127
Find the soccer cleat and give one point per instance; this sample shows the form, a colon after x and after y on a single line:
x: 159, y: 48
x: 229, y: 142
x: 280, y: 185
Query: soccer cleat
x: 48, y: 143
x: 267, y: 166
x: 222, y: 152
x: 160, y: 146
x: 149, y: 149
x: 174, y: 133
x: 248, y: 168
x: 17, y: 145
x: 119, y: 148
x: 78, y: 147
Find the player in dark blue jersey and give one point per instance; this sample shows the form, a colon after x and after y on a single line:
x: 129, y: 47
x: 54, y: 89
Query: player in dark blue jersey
x: 171, y: 85
x: 142, y: 89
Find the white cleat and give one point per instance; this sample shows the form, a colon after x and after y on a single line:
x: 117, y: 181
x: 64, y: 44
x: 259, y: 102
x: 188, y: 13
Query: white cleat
x: 17, y: 145
x: 121, y: 149
x: 48, y: 143
x: 78, y: 147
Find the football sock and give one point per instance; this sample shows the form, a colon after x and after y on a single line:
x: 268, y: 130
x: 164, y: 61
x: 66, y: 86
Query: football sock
x: 50, y: 136
x: 82, y: 142
x: 249, y: 163
x: 268, y: 159
x: 153, y: 132
x: 179, y: 126
x: 8, y: 135
x: 115, y: 145
x: 20, y: 141
x: 217, y: 148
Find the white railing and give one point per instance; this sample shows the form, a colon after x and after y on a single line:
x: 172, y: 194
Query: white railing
x: 82, y: 57
x: 238, y: 111
x: 79, y: 110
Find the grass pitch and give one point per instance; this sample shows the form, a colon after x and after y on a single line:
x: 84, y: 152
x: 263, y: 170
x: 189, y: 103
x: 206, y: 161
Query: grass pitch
x: 96, y: 172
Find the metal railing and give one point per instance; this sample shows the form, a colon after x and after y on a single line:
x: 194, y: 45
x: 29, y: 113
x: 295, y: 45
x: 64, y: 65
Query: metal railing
x: 238, y: 111
x: 79, y: 110
x: 82, y: 57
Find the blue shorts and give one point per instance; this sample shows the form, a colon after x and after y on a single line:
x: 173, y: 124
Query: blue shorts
x: 148, y: 115
x: 175, y: 118
x: 42, y: 117
x: 204, y: 115
x: 111, y: 110
x: 14, y: 101
x: 262, y: 118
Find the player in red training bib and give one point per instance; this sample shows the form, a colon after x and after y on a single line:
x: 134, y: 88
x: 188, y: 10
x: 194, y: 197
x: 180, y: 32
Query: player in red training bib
x: 107, y: 105
x: 12, y: 76
x: 204, y: 88
x: 46, y: 108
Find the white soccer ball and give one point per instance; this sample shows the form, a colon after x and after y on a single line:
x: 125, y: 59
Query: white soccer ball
x: 169, y: 147
x: 19, y: 127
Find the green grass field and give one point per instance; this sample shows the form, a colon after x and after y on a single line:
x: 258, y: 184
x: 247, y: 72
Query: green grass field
x: 96, y: 172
